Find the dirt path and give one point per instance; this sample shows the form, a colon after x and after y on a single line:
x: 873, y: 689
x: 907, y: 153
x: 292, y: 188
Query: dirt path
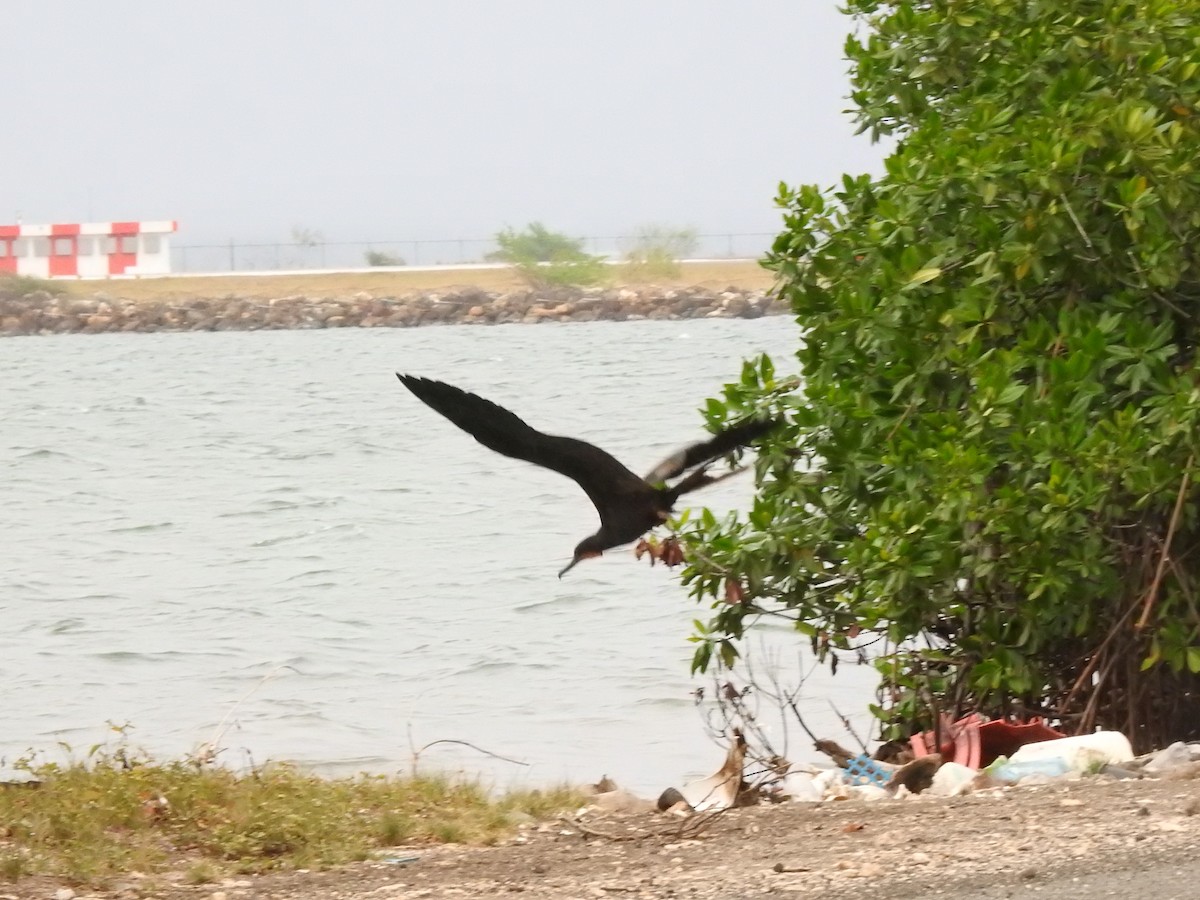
x: 1113, y: 839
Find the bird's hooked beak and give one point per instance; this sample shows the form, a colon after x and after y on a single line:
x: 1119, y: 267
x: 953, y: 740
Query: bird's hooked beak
x: 579, y: 557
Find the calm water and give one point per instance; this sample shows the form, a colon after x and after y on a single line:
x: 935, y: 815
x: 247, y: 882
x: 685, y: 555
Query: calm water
x: 184, y: 514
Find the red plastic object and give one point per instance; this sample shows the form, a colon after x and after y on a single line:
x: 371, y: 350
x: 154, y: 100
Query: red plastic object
x: 959, y: 741
x: 1001, y: 738
x: 973, y: 742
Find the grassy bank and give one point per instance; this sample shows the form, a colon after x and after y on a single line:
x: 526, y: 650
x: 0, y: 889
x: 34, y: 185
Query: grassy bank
x: 716, y: 275
x: 89, y: 821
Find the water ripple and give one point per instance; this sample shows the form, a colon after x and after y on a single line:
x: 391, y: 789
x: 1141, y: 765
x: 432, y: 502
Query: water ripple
x: 265, y: 527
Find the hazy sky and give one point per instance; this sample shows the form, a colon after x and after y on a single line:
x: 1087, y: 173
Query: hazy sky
x: 403, y: 120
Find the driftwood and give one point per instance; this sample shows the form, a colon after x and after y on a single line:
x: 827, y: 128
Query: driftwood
x: 840, y: 755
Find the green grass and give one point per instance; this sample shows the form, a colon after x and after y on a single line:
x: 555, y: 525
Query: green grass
x: 87, y: 821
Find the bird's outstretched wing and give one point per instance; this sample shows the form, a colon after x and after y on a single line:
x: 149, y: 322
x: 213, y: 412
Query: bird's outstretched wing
x: 600, y: 474
x: 718, y: 445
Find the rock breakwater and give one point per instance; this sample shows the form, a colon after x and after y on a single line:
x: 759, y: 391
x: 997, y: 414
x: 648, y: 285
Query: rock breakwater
x: 40, y: 312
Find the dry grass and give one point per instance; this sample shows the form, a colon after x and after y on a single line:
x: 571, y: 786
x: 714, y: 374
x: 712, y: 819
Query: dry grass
x: 716, y: 275
x: 21, y: 285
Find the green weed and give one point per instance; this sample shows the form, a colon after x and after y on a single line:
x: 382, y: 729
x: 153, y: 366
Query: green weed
x: 116, y: 810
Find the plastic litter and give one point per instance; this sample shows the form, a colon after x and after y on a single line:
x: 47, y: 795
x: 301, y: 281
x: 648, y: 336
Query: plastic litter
x: 802, y: 787
x: 971, y: 741
x: 951, y: 780
x: 831, y: 784
x: 1011, y: 771
x: 863, y: 770
x: 869, y: 792
x: 1082, y: 753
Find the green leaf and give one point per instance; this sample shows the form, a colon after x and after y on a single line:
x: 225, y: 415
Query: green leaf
x: 923, y: 276
x: 729, y: 654
x: 1012, y: 393
x: 1193, y: 660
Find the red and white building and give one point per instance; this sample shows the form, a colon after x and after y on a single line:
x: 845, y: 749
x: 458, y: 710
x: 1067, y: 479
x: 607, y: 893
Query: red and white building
x: 87, y: 250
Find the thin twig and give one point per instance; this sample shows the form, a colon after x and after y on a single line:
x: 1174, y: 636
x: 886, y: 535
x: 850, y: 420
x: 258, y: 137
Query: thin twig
x: 720, y: 569
x: 1088, y: 720
x: 780, y: 697
x: 1152, y: 594
x: 850, y: 728
x: 792, y: 704
x: 1167, y: 302
x: 1096, y: 656
x: 692, y: 826
x: 900, y: 421
x: 208, y: 749
x: 515, y: 762
x: 1181, y: 581
x: 1078, y: 225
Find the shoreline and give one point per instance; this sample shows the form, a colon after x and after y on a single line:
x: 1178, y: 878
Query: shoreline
x: 40, y: 312
x: 1092, y: 837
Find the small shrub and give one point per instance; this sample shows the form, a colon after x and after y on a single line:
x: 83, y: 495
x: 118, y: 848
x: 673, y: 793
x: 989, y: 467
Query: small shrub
x: 656, y: 253
x: 24, y: 285
x: 12, y: 865
x: 546, y: 258
x: 201, y: 872
x: 380, y: 258
x: 450, y: 833
x: 395, y: 828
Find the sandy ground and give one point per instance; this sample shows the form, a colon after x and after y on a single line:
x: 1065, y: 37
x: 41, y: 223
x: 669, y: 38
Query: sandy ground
x: 716, y: 275
x: 1130, y: 839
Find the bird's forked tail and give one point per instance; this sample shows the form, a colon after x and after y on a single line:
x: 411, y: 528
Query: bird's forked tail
x: 700, y: 478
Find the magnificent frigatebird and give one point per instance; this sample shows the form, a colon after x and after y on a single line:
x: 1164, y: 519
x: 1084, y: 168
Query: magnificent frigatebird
x: 629, y: 506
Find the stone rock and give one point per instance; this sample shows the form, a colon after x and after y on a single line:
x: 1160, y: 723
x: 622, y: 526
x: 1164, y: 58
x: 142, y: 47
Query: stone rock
x: 1172, y: 757
x: 41, y: 312
x: 621, y: 800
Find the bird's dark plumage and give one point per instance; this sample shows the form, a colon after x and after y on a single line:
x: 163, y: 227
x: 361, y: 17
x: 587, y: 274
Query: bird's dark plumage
x: 628, y: 505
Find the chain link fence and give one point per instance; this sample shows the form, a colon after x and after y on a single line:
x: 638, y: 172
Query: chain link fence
x: 239, y: 256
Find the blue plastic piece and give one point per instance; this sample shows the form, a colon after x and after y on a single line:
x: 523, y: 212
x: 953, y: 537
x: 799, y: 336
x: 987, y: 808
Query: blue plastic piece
x: 1011, y: 772
x: 863, y: 770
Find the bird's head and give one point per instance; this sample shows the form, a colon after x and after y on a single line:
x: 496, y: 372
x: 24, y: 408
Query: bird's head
x: 588, y: 547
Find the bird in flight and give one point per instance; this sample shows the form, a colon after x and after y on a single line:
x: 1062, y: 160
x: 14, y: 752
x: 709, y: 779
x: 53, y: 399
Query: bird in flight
x: 629, y: 506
